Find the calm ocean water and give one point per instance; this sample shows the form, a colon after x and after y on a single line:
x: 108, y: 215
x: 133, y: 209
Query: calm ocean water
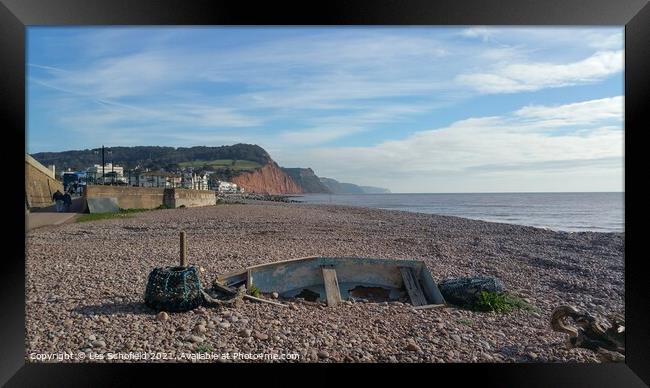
x: 574, y: 212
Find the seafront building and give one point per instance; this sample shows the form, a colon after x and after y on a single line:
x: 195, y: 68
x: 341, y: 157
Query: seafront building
x: 195, y: 181
x: 110, y: 173
x: 155, y: 179
x: 113, y: 174
x: 229, y: 187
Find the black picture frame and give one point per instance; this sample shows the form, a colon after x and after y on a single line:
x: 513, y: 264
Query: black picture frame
x: 15, y: 15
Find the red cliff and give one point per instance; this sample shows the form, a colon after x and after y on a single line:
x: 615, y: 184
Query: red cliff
x: 269, y: 179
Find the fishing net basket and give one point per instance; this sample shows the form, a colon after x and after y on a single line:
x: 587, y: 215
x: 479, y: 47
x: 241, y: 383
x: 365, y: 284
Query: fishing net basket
x: 174, y: 289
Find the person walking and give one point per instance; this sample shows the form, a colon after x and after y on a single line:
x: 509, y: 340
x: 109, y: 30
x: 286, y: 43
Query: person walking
x: 67, y: 201
x: 58, y: 199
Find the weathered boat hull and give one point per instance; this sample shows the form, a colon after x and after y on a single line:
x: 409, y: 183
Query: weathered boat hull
x: 356, y: 278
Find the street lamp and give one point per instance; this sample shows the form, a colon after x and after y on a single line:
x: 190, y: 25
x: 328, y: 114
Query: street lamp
x: 103, y: 165
x: 104, y: 150
x: 110, y: 152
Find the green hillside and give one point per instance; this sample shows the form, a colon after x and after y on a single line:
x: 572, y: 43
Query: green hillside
x: 235, y: 164
x: 246, y: 156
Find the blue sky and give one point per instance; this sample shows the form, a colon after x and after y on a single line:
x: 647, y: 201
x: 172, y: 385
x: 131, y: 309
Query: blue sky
x: 431, y: 109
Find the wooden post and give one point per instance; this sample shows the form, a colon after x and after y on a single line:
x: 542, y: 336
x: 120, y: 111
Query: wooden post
x: 183, y: 250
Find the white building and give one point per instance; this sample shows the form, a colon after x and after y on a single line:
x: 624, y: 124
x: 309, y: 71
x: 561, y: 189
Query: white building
x: 114, y: 173
x: 195, y: 181
x: 154, y: 179
x: 108, y: 167
x: 228, y: 187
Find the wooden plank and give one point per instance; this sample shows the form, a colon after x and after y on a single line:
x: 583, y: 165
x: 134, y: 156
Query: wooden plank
x: 429, y: 306
x: 233, y: 278
x: 264, y: 301
x: 331, y: 283
x: 413, y: 287
x: 224, y: 288
x: 288, y: 261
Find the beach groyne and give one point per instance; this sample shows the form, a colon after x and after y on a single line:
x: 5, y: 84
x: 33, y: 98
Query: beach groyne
x: 152, y: 197
x: 189, y: 198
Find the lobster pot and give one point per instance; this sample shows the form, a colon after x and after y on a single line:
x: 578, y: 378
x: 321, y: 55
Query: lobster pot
x: 173, y: 289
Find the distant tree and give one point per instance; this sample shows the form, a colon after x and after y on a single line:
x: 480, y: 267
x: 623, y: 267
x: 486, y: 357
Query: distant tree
x: 154, y: 157
x: 172, y: 166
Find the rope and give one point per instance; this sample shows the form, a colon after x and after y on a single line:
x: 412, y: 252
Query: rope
x: 234, y: 298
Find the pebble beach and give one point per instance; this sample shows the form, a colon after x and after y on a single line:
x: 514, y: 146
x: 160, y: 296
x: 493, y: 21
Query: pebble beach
x: 85, y: 284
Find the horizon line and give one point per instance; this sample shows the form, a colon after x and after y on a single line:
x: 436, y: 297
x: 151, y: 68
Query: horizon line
x: 474, y: 192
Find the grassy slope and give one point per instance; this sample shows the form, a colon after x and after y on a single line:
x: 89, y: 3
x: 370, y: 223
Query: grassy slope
x: 239, y: 164
x: 123, y: 213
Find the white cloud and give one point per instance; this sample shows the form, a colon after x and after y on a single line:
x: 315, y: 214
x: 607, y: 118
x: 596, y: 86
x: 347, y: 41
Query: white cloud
x: 314, y: 136
x: 109, y: 116
x: 465, y: 155
x: 286, y: 79
x: 330, y: 128
x: 293, y: 94
x: 320, y: 70
x: 519, y: 77
x: 484, y: 33
x: 579, y: 113
x: 568, y: 38
x: 213, y: 117
x: 132, y: 75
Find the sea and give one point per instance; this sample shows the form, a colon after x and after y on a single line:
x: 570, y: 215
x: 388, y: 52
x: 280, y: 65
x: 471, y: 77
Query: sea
x: 569, y: 212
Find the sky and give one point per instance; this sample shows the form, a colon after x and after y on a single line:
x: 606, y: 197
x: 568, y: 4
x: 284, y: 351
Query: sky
x: 411, y: 109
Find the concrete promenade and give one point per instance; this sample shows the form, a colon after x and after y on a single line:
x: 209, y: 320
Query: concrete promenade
x: 48, y: 216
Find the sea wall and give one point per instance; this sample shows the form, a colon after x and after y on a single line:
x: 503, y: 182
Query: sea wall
x: 39, y: 184
x: 189, y: 198
x: 128, y: 197
x: 152, y: 197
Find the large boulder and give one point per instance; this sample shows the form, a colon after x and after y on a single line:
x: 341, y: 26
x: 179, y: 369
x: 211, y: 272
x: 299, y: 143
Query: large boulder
x: 466, y: 291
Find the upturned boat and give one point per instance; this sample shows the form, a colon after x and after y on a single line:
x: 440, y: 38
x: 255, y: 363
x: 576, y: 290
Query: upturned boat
x: 335, y: 279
